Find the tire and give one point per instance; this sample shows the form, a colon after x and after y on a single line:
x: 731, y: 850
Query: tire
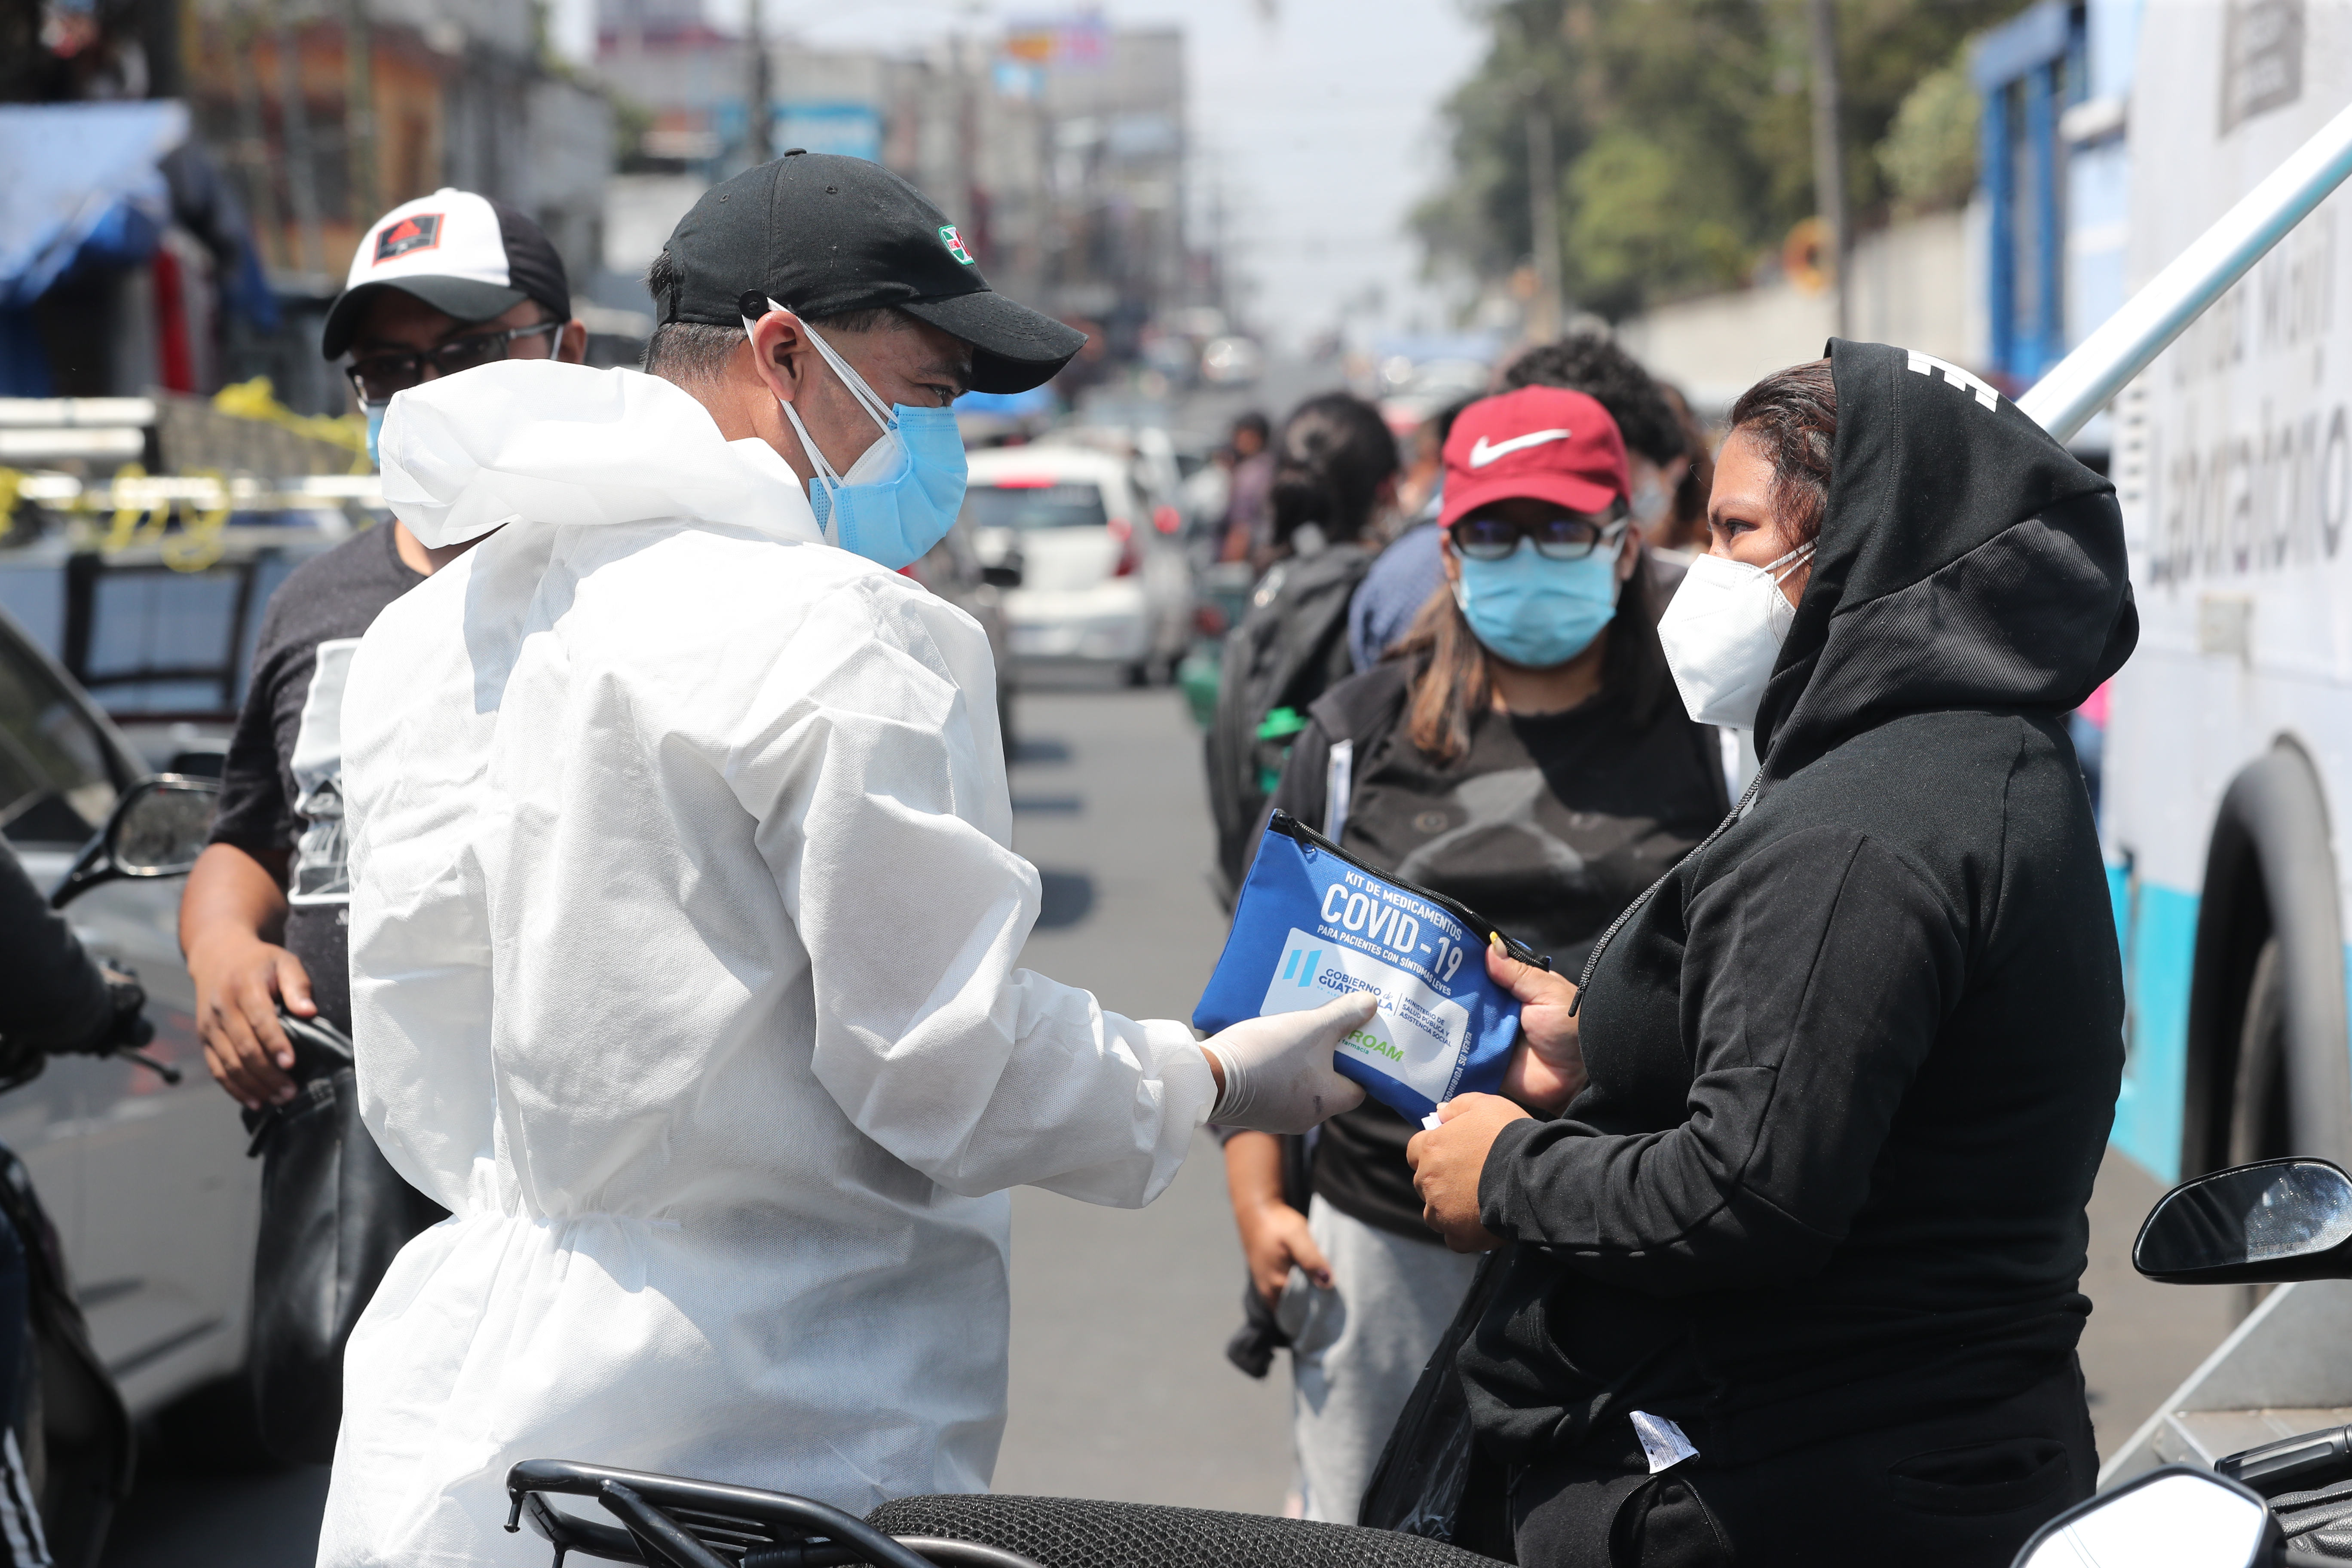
x: 2261, y: 1120
x: 2268, y: 1067
x: 2262, y: 1117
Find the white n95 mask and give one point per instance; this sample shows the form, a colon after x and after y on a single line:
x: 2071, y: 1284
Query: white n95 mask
x: 1723, y: 632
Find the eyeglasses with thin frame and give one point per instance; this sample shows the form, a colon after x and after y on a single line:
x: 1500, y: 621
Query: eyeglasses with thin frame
x: 1564, y: 536
x: 378, y: 376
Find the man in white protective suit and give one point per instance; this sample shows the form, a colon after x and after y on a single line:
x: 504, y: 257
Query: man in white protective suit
x: 683, y: 920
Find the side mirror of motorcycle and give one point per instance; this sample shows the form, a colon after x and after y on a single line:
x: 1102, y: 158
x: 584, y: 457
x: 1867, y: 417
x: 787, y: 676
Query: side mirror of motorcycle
x: 157, y: 829
x: 2260, y: 1224
x: 2177, y: 1514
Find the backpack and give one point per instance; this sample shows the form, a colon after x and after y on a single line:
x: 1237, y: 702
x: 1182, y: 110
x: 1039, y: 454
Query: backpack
x: 1290, y: 646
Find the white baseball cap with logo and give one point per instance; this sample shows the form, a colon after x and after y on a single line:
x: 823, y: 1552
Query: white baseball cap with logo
x: 462, y: 254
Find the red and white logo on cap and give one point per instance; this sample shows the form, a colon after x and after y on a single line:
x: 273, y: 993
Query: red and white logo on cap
x: 418, y: 231
x: 449, y: 234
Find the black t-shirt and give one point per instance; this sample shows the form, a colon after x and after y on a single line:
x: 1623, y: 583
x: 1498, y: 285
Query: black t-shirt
x: 1548, y: 825
x: 282, y: 785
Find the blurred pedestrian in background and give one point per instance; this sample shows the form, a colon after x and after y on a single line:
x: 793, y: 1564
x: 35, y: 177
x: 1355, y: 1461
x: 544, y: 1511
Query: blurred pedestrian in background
x: 1659, y: 457
x: 1334, y: 466
x: 1400, y: 579
x: 1249, y: 496
x: 1522, y: 749
x: 437, y: 286
x: 1423, y: 481
x: 1658, y: 450
x: 1683, y: 532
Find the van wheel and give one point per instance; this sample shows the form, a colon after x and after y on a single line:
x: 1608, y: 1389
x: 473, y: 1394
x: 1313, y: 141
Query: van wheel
x: 2262, y: 1124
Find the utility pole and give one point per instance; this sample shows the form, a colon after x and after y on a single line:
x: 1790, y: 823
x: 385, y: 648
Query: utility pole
x: 302, y: 173
x: 1829, y: 155
x: 359, y: 115
x: 1543, y: 212
x: 760, y: 143
x: 261, y: 182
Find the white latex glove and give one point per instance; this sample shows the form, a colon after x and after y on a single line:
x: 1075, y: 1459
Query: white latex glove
x: 1278, y: 1073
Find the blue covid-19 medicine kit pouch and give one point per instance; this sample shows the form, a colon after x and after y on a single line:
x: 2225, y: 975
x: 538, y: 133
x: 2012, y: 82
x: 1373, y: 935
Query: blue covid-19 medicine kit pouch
x: 1314, y: 924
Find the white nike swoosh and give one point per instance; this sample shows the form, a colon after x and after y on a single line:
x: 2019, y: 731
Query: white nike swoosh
x: 1482, y: 454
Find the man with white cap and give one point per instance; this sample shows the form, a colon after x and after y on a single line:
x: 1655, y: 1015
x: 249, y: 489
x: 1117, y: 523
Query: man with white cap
x: 439, y: 285
x: 685, y: 913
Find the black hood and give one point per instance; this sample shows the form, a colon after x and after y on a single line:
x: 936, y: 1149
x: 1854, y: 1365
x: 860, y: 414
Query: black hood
x: 1966, y: 561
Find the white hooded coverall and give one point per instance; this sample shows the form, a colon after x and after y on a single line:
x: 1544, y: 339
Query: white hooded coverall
x: 683, y: 931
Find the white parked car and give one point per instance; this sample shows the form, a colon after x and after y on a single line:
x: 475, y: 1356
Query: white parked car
x: 1103, y: 577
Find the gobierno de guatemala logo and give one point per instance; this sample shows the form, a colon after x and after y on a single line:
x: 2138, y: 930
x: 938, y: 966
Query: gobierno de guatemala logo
x: 954, y: 242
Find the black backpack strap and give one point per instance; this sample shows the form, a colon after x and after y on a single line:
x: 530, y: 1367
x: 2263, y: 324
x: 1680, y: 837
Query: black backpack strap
x: 1365, y: 707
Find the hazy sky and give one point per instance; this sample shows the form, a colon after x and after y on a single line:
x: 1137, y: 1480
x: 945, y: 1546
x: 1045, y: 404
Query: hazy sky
x: 1318, y: 123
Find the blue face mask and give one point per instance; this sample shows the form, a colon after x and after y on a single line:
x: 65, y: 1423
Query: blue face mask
x: 902, y: 494
x: 375, y: 412
x: 1537, y: 612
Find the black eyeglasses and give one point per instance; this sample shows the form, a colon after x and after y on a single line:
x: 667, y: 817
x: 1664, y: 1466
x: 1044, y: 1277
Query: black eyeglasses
x: 1564, y: 536
x: 378, y: 376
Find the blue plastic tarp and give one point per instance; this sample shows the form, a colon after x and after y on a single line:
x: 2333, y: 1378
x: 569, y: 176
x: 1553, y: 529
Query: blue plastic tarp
x: 77, y: 174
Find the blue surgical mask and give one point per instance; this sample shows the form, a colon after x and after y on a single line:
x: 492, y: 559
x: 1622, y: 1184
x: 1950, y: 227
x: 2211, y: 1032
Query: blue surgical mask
x: 1537, y: 612
x: 375, y: 412
x: 901, y: 496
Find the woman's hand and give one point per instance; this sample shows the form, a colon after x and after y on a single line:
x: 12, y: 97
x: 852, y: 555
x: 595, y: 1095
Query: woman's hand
x: 1547, y: 1068
x: 1274, y: 1235
x: 1448, y: 1160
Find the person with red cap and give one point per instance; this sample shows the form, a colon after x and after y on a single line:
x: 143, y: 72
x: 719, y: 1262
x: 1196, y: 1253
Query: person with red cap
x: 1521, y: 749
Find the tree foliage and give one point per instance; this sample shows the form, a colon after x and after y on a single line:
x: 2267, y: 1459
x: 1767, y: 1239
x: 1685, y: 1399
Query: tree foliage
x: 1683, y: 133
x: 1932, y: 150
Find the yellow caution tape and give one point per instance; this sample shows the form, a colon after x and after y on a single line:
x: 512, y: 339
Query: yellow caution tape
x: 257, y: 399
x: 200, y: 542
x: 125, y: 529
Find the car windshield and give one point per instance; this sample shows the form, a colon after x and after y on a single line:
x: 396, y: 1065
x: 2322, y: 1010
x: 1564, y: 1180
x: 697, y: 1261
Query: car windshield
x: 1006, y: 504
x: 53, y: 786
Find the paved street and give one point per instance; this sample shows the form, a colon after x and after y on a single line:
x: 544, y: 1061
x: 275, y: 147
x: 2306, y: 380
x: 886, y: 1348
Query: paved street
x: 1119, y: 1386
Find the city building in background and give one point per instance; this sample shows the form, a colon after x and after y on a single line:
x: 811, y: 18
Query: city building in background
x: 1059, y: 148
x: 300, y: 122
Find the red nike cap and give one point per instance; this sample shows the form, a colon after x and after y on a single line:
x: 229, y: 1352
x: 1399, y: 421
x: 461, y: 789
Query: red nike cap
x: 1543, y: 442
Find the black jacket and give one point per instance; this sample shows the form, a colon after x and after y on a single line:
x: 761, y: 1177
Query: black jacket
x: 1853, y: 1063
x: 52, y: 994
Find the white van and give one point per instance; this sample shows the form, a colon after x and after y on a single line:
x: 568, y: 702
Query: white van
x: 2229, y: 748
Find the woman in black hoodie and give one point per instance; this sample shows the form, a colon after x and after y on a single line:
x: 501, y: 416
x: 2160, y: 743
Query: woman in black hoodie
x: 1794, y: 1279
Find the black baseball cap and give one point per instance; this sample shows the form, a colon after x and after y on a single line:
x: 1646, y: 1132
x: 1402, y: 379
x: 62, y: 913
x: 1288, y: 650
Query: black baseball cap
x: 464, y: 254
x: 824, y: 235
